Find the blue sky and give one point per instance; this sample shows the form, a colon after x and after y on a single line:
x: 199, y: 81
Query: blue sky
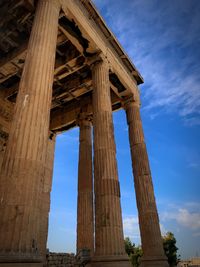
x: 162, y: 38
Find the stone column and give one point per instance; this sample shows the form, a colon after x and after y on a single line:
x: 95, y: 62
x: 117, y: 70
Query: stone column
x: 23, y: 166
x: 46, y: 191
x: 85, y: 217
x: 2, y: 150
x: 153, y: 253
x: 109, y: 238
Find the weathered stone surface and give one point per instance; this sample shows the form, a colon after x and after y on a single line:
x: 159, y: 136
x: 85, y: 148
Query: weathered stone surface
x: 2, y: 150
x: 85, y: 218
x: 21, y: 265
x: 24, y: 160
x: 46, y: 190
x: 148, y: 217
x: 60, y: 260
x: 109, y: 240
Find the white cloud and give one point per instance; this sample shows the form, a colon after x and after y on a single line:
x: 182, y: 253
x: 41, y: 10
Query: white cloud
x: 131, y: 228
x: 184, y: 217
x: 193, y: 206
x: 157, y: 41
x: 192, y: 121
x: 163, y: 229
x: 69, y: 136
x: 188, y: 219
x: 196, y: 234
x: 194, y: 165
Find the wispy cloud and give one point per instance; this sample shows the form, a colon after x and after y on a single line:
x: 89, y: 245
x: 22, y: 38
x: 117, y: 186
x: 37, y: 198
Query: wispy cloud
x: 69, y: 137
x: 163, y: 229
x: 131, y: 228
x: 196, y: 234
x: 194, y: 165
x: 187, y: 215
x: 163, y: 41
x: 193, y: 206
x: 187, y: 219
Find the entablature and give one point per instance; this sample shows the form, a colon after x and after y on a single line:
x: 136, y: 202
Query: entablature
x: 82, y: 37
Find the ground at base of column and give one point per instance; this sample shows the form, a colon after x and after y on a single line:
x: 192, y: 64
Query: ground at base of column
x: 21, y: 260
x: 154, y: 263
x: 112, y: 261
x: 21, y: 264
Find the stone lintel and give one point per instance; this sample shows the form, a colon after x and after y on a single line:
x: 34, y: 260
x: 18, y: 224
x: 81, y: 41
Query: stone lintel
x: 74, y: 10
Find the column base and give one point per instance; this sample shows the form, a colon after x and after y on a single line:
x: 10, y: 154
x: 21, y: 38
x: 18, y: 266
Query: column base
x: 20, y: 260
x: 154, y: 262
x: 21, y: 264
x: 111, y: 261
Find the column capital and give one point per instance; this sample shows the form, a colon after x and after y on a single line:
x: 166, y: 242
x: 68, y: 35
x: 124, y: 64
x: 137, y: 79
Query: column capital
x: 84, y: 119
x: 131, y: 100
x: 56, y: 3
x: 52, y: 136
x: 97, y: 59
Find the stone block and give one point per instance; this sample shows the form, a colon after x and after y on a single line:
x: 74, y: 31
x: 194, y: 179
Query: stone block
x: 21, y: 265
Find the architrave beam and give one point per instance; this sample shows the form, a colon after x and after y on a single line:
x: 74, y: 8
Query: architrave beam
x: 74, y: 10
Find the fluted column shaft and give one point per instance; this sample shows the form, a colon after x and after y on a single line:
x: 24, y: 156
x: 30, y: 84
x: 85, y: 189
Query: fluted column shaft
x: 24, y: 161
x: 2, y: 150
x: 85, y: 218
x: 109, y: 239
x: 152, y: 246
x: 46, y: 191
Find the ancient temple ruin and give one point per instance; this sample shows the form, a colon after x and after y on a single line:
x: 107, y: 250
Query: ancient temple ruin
x: 61, y: 67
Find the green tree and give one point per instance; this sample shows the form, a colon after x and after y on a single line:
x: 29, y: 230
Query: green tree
x: 169, y: 245
x: 170, y: 248
x: 136, y: 256
x: 129, y: 246
x: 134, y: 252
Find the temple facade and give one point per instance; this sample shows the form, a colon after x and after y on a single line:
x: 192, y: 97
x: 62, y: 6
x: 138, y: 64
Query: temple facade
x: 61, y: 67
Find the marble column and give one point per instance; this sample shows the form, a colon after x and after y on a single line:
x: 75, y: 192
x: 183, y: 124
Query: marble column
x: 23, y: 165
x: 46, y: 191
x: 85, y: 217
x: 153, y: 253
x: 2, y: 150
x: 109, y: 238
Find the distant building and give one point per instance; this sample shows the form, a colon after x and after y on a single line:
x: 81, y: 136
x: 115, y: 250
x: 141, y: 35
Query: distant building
x: 193, y: 262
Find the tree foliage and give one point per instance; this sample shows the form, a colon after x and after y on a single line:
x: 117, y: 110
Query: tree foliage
x: 170, y: 248
x: 129, y: 246
x: 169, y: 244
x: 134, y: 252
